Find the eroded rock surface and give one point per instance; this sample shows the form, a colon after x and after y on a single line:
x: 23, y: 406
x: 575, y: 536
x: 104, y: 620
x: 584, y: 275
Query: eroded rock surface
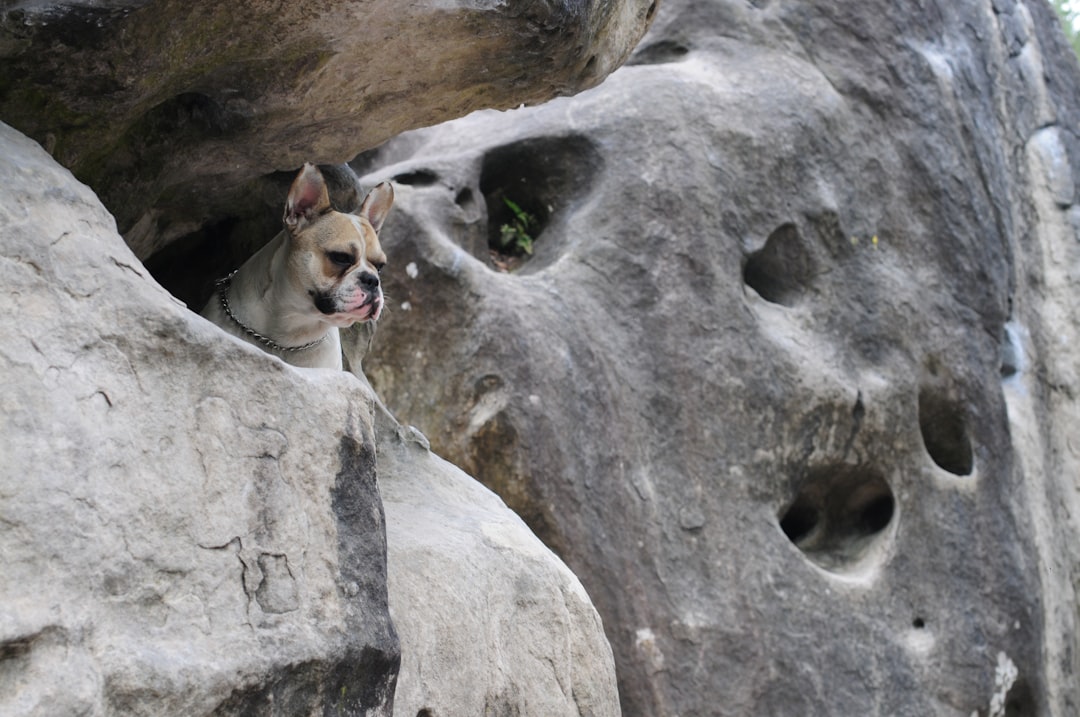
x: 490, y: 623
x: 192, y: 527
x: 169, y: 109
x: 188, y: 527
x: 788, y: 379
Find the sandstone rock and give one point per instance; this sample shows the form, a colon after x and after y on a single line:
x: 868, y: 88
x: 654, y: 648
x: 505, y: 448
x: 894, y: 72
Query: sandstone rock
x: 191, y: 527
x: 788, y: 380
x: 170, y: 109
x: 186, y: 529
x: 490, y: 622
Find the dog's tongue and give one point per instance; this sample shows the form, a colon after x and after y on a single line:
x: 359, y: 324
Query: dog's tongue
x: 365, y: 311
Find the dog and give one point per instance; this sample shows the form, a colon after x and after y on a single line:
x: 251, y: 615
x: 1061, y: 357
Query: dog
x: 318, y: 275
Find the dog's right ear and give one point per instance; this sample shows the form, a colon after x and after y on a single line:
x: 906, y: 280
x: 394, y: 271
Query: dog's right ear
x: 308, y: 197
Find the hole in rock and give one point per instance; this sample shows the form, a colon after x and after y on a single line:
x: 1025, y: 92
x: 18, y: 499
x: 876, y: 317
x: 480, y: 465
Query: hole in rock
x: 799, y: 522
x: 918, y: 623
x: 839, y: 512
x: 525, y: 185
x: 189, y: 266
x: 659, y: 53
x: 425, y: 712
x: 417, y: 178
x: 464, y: 198
x: 944, y: 431
x: 1019, y: 700
x: 780, y: 272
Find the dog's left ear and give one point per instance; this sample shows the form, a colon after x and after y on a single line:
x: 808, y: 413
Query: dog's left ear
x: 377, y: 205
x: 308, y: 197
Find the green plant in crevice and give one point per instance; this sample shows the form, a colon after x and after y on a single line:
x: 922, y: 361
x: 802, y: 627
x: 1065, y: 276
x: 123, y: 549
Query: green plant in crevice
x: 514, y: 236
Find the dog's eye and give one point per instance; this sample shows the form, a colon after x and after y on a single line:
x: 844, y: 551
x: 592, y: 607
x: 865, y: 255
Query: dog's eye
x: 378, y: 265
x: 340, y: 259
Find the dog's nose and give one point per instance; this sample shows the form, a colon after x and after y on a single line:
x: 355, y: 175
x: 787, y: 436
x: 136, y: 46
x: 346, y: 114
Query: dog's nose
x: 368, y: 281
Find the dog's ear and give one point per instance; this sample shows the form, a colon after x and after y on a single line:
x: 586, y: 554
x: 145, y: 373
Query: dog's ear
x: 308, y: 197
x: 377, y: 205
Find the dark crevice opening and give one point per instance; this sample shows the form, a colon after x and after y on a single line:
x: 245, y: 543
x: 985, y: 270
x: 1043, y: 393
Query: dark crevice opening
x: 944, y: 429
x: 838, y: 513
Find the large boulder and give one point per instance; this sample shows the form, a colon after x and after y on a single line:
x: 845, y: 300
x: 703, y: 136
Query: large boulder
x: 191, y: 527
x: 788, y: 378
x: 179, y: 536
x: 169, y: 110
x: 490, y: 622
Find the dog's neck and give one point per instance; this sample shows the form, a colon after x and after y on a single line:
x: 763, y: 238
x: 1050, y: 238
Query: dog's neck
x: 263, y: 300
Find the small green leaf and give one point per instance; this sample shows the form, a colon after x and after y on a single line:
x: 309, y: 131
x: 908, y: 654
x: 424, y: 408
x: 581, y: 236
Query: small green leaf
x: 513, y: 207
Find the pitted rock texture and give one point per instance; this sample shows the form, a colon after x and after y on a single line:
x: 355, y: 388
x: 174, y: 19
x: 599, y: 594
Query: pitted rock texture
x: 190, y: 526
x: 789, y: 377
x: 169, y: 110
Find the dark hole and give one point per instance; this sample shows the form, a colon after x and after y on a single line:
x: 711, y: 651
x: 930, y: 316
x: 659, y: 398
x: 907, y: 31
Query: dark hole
x: 838, y: 513
x: 1019, y: 700
x: 918, y: 623
x: 877, y: 514
x: 780, y: 271
x: 189, y: 266
x: 798, y: 522
x: 417, y: 178
x: 944, y: 431
x: 425, y: 712
x: 659, y: 53
x: 527, y: 183
x: 464, y: 198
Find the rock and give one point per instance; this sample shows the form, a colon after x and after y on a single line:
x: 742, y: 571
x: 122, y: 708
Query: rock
x: 490, y: 621
x: 191, y: 527
x: 187, y: 530
x: 788, y: 379
x: 171, y: 110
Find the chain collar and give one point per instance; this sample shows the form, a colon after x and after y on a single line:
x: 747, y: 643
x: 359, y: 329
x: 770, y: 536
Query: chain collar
x: 223, y: 286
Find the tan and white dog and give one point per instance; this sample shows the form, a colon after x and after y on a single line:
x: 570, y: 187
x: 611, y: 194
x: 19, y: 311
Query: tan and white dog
x: 321, y: 273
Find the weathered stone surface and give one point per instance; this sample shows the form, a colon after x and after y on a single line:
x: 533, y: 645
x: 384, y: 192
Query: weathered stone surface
x: 192, y: 527
x: 789, y: 380
x: 188, y: 527
x: 490, y: 621
x: 170, y: 108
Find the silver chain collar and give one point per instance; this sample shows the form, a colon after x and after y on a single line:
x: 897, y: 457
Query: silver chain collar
x: 223, y: 286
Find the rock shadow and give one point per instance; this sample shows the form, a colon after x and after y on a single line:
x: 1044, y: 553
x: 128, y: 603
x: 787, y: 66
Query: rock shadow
x: 537, y: 178
x: 944, y: 428
x: 782, y: 270
x: 838, y: 513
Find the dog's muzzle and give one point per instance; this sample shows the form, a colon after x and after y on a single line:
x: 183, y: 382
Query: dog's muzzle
x: 367, y: 285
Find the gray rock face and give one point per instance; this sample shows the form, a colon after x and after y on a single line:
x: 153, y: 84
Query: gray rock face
x: 169, y: 110
x: 178, y: 537
x: 192, y: 527
x: 788, y: 379
x: 490, y: 623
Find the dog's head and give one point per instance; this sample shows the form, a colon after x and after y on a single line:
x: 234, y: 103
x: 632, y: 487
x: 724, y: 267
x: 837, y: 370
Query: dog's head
x: 335, y: 257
